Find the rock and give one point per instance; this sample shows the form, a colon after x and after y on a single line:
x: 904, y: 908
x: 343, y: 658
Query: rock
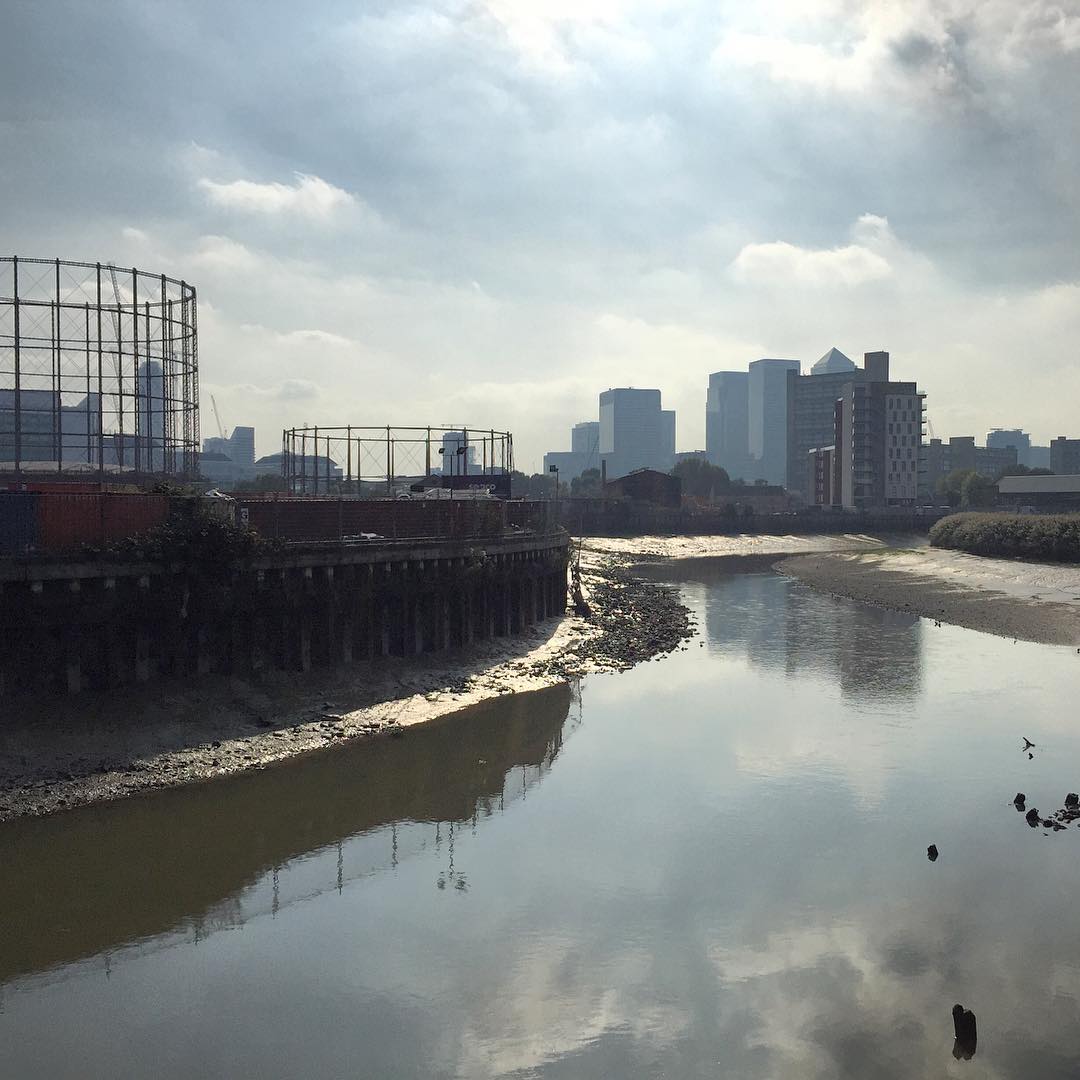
x: 1018, y: 802
x: 1072, y: 800
x: 1032, y: 817
x: 932, y: 853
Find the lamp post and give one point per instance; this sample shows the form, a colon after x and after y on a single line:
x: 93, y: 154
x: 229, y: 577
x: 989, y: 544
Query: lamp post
x: 555, y: 469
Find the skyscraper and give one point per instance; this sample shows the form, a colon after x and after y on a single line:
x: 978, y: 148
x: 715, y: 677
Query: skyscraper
x: 727, y: 417
x: 767, y: 426
x: 635, y: 433
x: 810, y: 403
x: 1005, y: 437
x: 876, y: 439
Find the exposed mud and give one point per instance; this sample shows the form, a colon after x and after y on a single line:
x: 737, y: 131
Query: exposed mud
x: 59, y: 754
x: 980, y: 599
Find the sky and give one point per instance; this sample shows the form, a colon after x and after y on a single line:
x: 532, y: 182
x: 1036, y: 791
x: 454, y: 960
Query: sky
x: 484, y: 212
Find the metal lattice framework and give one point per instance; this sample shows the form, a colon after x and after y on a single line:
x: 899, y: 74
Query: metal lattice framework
x: 376, y: 459
x: 98, y: 370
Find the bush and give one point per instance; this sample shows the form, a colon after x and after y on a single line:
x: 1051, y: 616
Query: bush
x: 1040, y: 537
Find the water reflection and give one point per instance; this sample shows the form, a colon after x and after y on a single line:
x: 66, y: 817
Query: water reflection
x: 780, y: 624
x: 190, y: 861
x: 724, y: 873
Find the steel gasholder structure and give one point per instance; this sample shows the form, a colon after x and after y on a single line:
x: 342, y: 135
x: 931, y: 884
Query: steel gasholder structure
x: 315, y: 460
x: 99, y: 371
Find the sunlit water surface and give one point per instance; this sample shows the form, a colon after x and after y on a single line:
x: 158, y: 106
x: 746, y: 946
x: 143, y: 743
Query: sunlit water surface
x: 713, y: 865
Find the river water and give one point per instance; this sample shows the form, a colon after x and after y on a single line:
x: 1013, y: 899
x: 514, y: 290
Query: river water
x: 713, y: 865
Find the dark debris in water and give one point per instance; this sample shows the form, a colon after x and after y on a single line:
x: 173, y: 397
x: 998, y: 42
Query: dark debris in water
x: 1058, y: 821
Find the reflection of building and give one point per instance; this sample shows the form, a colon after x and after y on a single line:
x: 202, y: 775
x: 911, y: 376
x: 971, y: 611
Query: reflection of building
x: 727, y: 418
x: 777, y: 623
x: 493, y: 754
x: 767, y: 427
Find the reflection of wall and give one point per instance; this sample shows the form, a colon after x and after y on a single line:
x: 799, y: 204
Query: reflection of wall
x: 776, y: 622
x: 116, y: 873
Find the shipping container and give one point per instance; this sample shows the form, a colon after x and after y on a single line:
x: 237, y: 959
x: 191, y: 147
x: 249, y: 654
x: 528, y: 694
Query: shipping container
x: 69, y: 522
x: 18, y: 522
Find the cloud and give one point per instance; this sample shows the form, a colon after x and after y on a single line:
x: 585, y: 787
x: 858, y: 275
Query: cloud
x: 310, y: 197
x: 779, y: 263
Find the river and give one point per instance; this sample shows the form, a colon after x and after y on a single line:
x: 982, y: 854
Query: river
x: 712, y: 865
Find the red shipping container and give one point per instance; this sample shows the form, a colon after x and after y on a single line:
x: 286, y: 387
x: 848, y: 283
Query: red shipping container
x: 70, y: 522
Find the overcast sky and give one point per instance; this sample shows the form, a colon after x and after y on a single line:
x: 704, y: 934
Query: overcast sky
x: 486, y: 212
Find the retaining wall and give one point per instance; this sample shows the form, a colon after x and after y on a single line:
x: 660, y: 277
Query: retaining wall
x: 68, y: 626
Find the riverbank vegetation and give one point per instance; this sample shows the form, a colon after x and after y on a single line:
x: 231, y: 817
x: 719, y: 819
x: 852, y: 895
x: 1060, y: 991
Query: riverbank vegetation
x: 1041, y: 537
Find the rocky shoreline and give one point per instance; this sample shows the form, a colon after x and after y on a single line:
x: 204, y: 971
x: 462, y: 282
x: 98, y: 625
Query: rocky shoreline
x: 62, y: 754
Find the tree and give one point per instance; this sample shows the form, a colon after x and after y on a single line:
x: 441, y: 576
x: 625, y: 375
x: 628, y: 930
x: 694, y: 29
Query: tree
x: 537, y: 486
x: 587, y: 484
x: 977, y: 491
x: 949, y: 487
x: 263, y: 482
x: 700, y: 478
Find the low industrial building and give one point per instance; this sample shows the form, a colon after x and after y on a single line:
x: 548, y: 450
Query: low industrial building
x: 1040, y: 493
x: 646, y: 485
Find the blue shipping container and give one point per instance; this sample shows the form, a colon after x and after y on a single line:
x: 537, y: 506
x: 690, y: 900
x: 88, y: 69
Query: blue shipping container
x: 18, y: 522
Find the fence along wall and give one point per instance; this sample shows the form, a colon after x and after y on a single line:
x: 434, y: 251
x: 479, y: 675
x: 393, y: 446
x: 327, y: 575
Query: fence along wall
x: 330, y: 519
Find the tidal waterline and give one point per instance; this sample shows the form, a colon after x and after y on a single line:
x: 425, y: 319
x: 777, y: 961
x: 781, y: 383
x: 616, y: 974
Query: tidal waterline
x: 714, y: 864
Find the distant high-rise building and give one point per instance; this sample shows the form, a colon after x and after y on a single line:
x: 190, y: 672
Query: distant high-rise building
x: 1065, y: 456
x: 961, y: 454
x: 49, y: 431
x: 635, y: 433
x: 727, y: 418
x: 457, y: 456
x: 1014, y: 437
x: 585, y: 437
x: 874, y: 454
x: 667, y: 434
x: 811, y: 400
x: 584, y: 452
x: 767, y: 426
x: 228, y: 460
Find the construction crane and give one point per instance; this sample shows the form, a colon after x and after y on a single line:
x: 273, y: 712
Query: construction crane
x: 217, y: 417
x: 118, y: 401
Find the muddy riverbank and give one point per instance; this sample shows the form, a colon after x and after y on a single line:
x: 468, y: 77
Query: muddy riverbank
x: 1027, y: 601
x: 59, y: 754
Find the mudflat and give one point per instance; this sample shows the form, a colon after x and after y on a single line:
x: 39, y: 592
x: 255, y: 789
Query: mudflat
x: 1027, y: 601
